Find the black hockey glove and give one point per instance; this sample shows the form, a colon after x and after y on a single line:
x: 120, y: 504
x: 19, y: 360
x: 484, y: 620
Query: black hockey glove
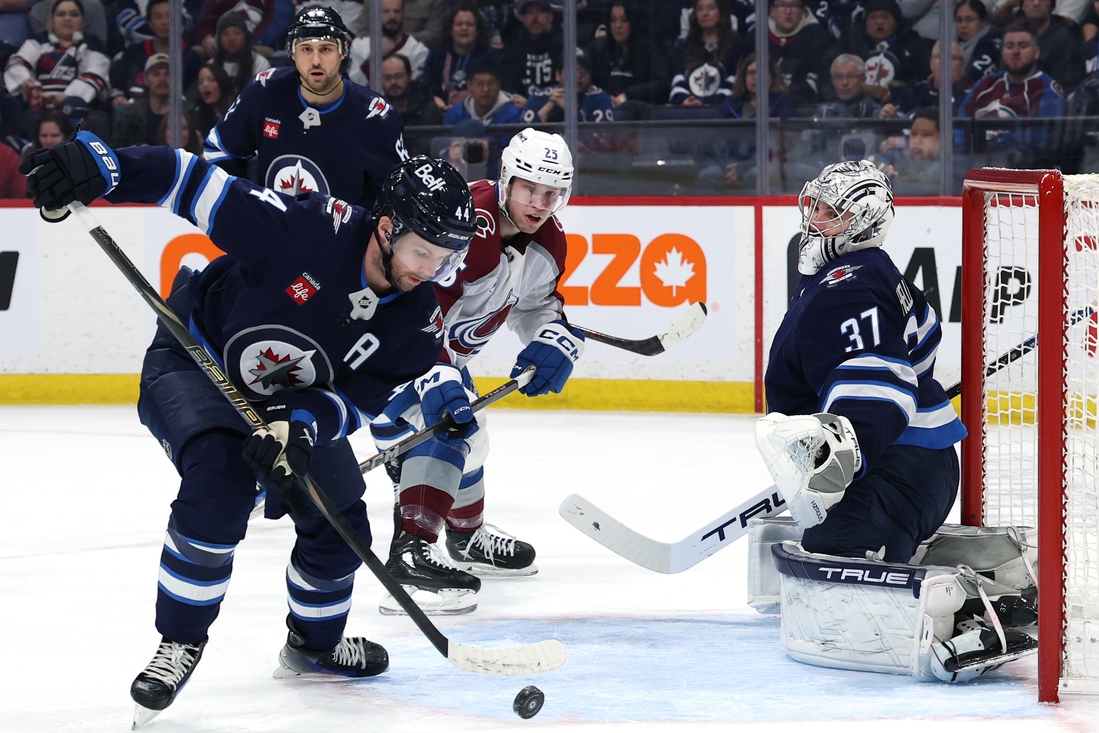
x: 81, y: 170
x: 280, y: 451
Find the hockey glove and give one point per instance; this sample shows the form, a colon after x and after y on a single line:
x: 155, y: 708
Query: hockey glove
x: 812, y: 458
x: 81, y: 170
x: 553, y: 351
x: 282, y: 449
x: 441, y: 392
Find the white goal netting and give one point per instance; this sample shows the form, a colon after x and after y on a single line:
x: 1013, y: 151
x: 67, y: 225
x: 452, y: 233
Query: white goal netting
x: 1011, y: 460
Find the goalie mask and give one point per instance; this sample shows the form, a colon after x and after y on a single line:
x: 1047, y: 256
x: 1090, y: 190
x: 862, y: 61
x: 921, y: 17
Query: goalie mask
x: 861, y: 203
x: 430, y: 199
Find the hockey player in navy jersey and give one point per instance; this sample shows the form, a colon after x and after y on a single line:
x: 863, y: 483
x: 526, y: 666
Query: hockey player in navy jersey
x: 852, y: 372
x: 309, y: 127
x: 510, y: 277
x: 317, y: 312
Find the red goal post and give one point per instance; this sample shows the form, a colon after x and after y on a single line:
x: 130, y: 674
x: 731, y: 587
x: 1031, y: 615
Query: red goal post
x: 1030, y: 265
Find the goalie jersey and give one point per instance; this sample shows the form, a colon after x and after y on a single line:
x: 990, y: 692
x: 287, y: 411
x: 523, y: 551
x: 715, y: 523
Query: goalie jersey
x: 280, y: 316
x: 514, y: 283
x: 860, y: 340
x: 344, y: 149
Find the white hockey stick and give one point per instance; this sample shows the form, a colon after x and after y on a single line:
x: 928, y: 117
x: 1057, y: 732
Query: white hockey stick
x: 665, y: 557
x: 517, y: 661
x: 687, y: 324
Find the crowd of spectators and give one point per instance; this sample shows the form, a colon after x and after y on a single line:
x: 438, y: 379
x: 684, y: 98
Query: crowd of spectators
x: 104, y: 65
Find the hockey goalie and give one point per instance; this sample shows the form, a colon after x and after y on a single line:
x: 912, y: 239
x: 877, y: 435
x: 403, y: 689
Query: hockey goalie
x: 860, y: 442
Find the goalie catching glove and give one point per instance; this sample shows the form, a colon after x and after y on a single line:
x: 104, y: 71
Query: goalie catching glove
x: 282, y: 449
x: 553, y: 351
x: 812, y: 458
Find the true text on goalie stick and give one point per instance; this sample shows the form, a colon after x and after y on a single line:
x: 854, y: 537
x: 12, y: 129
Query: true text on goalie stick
x: 511, y: 661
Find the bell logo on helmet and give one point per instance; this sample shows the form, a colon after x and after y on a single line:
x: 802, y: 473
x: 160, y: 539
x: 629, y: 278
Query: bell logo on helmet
x: 433, y: 183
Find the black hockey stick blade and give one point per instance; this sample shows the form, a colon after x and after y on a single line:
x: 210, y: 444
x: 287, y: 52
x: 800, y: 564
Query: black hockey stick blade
x: 512, y: 661
x: 687, y: 324
x: 404, y: 446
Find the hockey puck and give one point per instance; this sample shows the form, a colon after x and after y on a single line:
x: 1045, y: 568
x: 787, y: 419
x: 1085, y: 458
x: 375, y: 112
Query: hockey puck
x: 528, y: 702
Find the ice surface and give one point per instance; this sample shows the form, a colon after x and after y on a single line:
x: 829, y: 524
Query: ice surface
x: 83, y: 506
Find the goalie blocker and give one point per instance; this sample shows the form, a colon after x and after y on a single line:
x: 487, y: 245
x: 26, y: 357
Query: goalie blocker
x: 947, y: 622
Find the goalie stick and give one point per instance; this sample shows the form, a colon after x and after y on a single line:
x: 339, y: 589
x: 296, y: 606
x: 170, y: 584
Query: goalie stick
x: 687, y: 324
x: 512, y: 661
x: 675, y: 557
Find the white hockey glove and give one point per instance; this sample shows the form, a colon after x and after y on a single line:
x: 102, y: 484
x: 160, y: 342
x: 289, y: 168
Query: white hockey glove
x: 812, y: 458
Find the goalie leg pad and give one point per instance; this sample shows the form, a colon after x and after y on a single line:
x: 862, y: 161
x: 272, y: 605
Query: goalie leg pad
x: 764, y: 591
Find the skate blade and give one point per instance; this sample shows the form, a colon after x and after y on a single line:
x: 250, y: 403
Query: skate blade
x: 482, y: 570
x: 143, y: 715
x: 998, y: 661
x: 432, y: 603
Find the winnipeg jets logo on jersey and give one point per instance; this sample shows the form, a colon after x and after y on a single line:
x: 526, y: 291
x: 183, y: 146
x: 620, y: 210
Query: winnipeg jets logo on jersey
x: 266, y: 359
x: 264, y: 75
x: 704, y: 81
x: 295, y: 174
x: 486, y: 224
x: 377, y: 107
x: 340, y: 212
x: 468, y: 337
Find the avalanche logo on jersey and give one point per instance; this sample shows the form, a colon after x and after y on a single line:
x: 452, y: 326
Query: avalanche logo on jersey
x: 266, y: 359
x: 839, y: 274
x: 436, y: 325
x: 294, y: 174
x: 486, y: 224
x: 340, y: 212
x: 469, y: 337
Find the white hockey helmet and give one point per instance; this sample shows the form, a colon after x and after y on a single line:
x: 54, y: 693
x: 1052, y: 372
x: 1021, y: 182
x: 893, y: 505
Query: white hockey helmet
x: 861, y: 197
x: 539, y: 157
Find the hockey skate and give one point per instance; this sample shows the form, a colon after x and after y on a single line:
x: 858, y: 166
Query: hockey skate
x: 975, y: 649
x: 489, y: 552
x: 354, y: 656
x: 159, y: 683
x: 436, y: 586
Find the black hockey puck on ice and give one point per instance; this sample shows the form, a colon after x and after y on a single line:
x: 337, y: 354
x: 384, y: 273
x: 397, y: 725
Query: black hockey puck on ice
x: 528, y: 702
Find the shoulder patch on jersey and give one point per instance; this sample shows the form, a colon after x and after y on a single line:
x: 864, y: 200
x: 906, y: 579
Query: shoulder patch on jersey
x: 436, y: 325
x: 378, y: 106
x: 486, y: 224
x: 264, y: 75
x: 340, y: 212
x: 840, y: 274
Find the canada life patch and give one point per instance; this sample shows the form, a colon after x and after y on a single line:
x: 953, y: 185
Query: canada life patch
x: 302, y: 289
x: 839, y: 274
x: 271, y: 128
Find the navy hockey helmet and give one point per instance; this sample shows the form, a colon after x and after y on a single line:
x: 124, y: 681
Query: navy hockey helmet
x: 318, y: 22
x: 429, y: 198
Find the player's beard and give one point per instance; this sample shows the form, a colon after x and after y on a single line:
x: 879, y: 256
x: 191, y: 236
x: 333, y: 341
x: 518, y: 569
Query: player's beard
x: 329, y: 85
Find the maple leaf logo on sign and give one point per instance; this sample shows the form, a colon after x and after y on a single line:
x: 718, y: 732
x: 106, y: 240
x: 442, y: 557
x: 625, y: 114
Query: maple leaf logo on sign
x: 674, y: 272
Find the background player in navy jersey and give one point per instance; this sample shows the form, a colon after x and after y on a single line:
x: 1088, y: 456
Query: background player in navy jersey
x: 309, y: 128
x: 860, y: 436
x: 510, y: 276
x: 316, y: 314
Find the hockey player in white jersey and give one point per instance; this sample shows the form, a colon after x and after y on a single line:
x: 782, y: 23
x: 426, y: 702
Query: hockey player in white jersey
x: 860, y: 441
x: 510, y: 276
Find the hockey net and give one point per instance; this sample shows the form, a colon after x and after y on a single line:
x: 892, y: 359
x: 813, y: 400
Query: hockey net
x: 1030, y: 265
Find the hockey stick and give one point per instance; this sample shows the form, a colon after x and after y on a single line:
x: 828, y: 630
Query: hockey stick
x: 687, y: 324
x: 665, y: 557
x: 398, y: 449
x: 512, y: 661
x: 1017, y: 352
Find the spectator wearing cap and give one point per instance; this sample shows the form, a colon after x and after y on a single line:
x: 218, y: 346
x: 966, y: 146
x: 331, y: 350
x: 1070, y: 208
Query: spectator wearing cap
x: 1060, y: 41
x: 530, y: 52
x: 848, y: 74
x: 926, y: 93
x: 408, y: 96
x: 892, y: 51
x: 625, y: 64
x: 235, y: 53
x: 593, y: 104
x: 979, y: 39
x: 705, y: 62
x: 136, y: 123
x: 445, y: 69
x: 127, y: 71
x: 801, y: 48
x: 487, y: 101
x: 255, y: 16
x: 394, y: 40
x: 62, y: 62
